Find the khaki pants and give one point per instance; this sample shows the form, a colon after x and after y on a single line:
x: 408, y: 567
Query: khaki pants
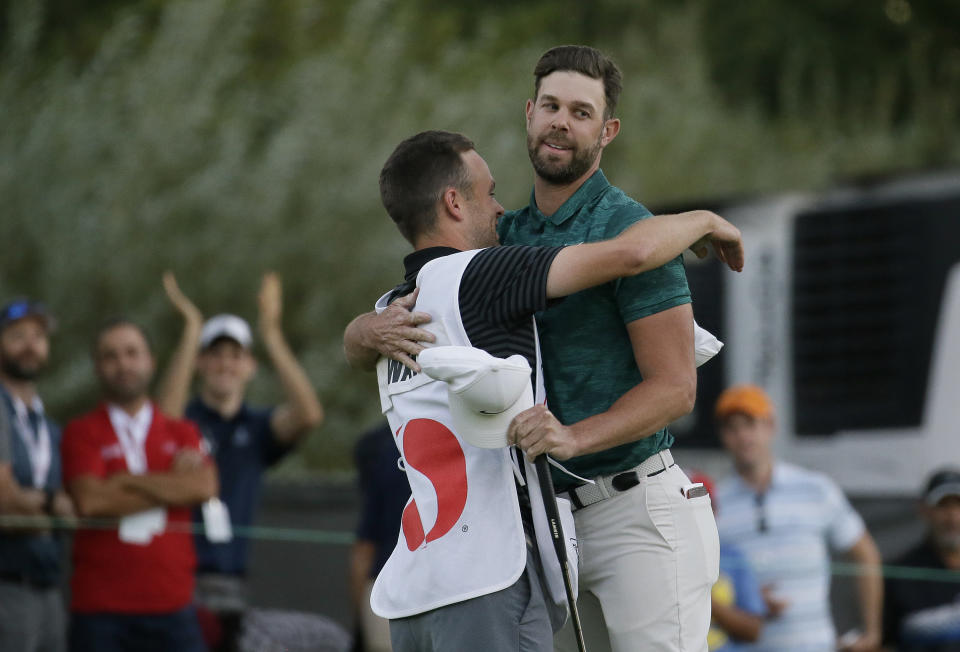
x: 648, y: 558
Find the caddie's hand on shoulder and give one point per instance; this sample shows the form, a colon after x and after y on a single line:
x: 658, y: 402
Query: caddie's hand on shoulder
x: 536, y: 431
x: 180, y: 301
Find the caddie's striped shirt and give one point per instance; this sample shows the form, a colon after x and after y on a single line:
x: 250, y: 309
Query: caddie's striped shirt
x: 786, y: 534
x: 500, y: 290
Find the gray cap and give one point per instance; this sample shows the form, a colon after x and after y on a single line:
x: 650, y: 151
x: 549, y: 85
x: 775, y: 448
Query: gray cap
x: 943, y: 483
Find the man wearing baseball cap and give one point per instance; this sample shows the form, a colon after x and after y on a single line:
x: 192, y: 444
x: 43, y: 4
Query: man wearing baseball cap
x: 244, y: 440
x: 786, y: 520
x: 31, y: 606
x: 922, y: 612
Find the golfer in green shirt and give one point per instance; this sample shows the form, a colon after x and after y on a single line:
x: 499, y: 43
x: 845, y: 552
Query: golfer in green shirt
x: 619, y: 366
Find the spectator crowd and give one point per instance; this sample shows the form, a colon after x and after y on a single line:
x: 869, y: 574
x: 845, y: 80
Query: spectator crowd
x: 153, y: 485
x: 161, y: 468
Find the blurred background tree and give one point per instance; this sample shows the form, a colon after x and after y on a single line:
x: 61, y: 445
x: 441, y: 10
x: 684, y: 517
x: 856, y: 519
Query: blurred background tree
x: 222, y: 138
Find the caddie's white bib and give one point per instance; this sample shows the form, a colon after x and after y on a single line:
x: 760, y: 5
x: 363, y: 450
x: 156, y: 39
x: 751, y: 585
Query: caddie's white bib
x: 461, y: 535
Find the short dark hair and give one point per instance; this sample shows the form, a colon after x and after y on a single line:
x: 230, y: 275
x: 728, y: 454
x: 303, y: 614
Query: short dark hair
x: 416, y: 175
x: 587, y: 61
x: 117, y: 321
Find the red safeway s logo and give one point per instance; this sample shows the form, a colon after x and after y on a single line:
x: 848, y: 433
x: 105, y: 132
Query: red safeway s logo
x: 430, y: 448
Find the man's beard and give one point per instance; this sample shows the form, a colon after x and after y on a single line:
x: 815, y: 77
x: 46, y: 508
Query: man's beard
x: 13, y: 369
x: 121, y: 393
x: 556, y: 173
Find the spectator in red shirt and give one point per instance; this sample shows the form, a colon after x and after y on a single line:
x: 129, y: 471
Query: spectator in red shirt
x: 132, y: 586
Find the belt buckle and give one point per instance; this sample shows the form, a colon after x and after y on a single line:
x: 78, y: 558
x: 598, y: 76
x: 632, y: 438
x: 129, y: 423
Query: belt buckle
x: 626, y: 480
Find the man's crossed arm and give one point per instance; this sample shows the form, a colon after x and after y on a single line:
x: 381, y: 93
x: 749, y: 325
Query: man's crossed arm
x: 191, y: 480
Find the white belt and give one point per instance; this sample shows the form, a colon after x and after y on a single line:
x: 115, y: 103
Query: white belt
x: 605, y: 486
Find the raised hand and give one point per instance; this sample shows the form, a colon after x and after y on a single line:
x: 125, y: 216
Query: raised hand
x: 270, y: 300
x: 180, y: 301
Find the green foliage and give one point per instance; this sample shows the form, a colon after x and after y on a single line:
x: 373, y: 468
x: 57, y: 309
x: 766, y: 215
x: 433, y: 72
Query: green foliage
x: 222, y: 138
x: 841, y: 57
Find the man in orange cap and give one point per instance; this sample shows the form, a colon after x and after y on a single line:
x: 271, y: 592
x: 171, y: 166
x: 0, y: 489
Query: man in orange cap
x: 786, y: 520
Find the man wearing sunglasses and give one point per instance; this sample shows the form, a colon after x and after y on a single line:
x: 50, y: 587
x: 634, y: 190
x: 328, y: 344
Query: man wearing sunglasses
x: 786, y: 520
x: 31, y: 606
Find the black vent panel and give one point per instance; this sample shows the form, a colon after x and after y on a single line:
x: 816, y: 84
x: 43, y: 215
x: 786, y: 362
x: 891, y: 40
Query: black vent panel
x: 867, y: 288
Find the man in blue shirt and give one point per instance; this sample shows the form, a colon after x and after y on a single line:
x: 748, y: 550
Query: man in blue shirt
x: 31, y: 607
x: 243, y: 440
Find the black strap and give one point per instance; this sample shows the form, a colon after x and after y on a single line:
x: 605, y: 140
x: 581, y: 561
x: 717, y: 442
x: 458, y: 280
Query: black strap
x: 575, y: 499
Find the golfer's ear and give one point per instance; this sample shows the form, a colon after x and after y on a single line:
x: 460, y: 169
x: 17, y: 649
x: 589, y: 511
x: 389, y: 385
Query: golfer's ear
x: 452, y: 203
x: 610, y: 130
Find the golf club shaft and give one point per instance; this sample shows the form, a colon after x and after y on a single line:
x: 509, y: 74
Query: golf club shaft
x: 559, y: 543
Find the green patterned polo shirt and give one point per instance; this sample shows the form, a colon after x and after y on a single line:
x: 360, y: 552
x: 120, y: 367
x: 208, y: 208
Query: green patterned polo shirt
x: 588, y: 360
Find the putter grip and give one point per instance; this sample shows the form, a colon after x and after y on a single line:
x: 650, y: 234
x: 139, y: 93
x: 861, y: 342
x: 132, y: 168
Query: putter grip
x: 550, y: 506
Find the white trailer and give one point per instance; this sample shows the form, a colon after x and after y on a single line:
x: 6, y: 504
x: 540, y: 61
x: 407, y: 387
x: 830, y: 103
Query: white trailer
x: 848, y: 314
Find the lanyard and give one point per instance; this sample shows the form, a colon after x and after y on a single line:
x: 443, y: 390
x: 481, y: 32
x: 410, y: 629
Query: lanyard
x: 134, y: 447
x: 133, y: 450
x: 37, y: 444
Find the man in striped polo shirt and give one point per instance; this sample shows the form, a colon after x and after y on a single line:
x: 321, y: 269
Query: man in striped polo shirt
x: 786, y: 520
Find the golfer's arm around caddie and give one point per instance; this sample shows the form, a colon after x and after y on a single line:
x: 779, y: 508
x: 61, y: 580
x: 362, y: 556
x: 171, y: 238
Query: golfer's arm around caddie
x: 395, y: 332
x: 646, y: 245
